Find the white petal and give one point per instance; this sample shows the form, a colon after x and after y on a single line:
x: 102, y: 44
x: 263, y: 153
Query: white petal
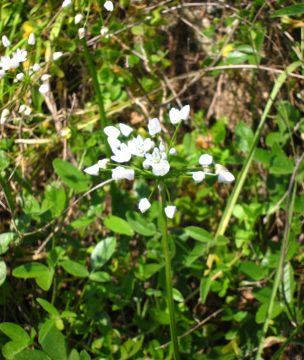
x: 205, y: 160
x: 170, y: 211
x: 172, y: 151
x: 92, y: 170
x: 125, y: 129
x: 20, y: 76
x: 148, y: 144
x: 161, y: 168
x: 36, y: 67
x: 225, y: 177
x: 144, y: 205
x: 66, y: 3
x: 31, y: 40
x: 78, y: 18
x: 81, y: 33
x: 154, y: 126
x: 120, y: 173
x: 45, y: 77
x: 44, y: 89
x: 174, y: 115
x: 57, y: 55
x: 184, y: 112
x: 114, y: 143
x: 111, y: 131
x: 5, y: 41
x: 108, y: 5
x: 198, y: 176
x: 121, y: 155
x: 4, y: 116
x: 103, y: 163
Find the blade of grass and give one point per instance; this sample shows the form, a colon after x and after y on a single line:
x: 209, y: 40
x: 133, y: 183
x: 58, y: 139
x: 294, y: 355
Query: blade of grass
x: 279, y: 271
x: 243, y: 174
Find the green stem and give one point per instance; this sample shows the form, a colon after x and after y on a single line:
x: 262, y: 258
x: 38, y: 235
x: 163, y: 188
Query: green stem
x: 169, y: 289
x: 99, y: 97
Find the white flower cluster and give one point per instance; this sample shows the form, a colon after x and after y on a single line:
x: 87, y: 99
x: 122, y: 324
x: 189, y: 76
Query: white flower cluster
x: 154, y: 156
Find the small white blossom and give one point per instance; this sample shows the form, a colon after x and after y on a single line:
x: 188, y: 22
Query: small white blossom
x: 103, y: 163
x: 104, y: 31
x: 170, y: 211
x: 66, y: 3
x: 139, y: 147
x: 198, y: 176
x: 78, y: 18
x: 225, y: 177
x: 5, y: 41
x: 5, y: 63
x: 31, y: 40
x: 154, y: 126
x: 122, y: 154
x: 121, y: 173
x: 4, y: 116
x: 144, y: 205
x: 205, y: 160
x: 172, y: 151
x: 111, y: 131
x: 44, y: 89
x: 81, y: 33
x: 45, y: 77
x: 18, y: 57
x: 157, y: 161
x: 24, y: 109
x: 114, y: 143
x: 20, y: 76
x: 126, y: 130
x: 92, y: 170
x: 2, y: 73
x: 108, y: 5
x: 57, y: 55
x: 36, y: 67
x: 176, y: 116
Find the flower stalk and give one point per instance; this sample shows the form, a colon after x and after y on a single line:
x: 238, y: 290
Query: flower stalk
x: 169, y: 289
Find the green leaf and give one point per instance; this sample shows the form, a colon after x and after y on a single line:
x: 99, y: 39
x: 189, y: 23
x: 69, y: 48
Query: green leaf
x: 74, y: 355
x: 74, y: 268
x: 204, y: 288
x: 48, y: 307
x: 44, y: 281
x: 2, y: 272
x: 140, y: 225
x: 297, y: 9
x: 100, y: 276
x: 252, y: 270
x: 12, y: 348
x: 32, y: 355
x: 5, y: 240
x: 52, y: 341
x: 103, y: 252
x: 130, y: 348
x: 30, y: 270
x: 15, y: 332
x: 260, y: 316
x: 118, y: 225
x: 198, y: 234
x: 288, y: 283
x: 145, y: 271
x: 244, y: 137
x: 195, y: 253
x: 4, y: 161
x: 84, y: 355
x: 71, y: 176
x: 54, y: 199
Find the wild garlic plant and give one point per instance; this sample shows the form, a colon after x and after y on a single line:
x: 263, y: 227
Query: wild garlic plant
x: 150, y: 157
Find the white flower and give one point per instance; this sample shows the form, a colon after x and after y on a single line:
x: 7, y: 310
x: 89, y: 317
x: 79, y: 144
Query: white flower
x: 111, y: 131
x: 57, y: 55
x: 4, y: 116
x: 205, y: 160
x: 108, y: 5
x: 92, y: 170
x: 139, y: 147
x: 5, y: 41
x: 114, y: 143
x: 154, y: 126
x: 66, y: 3
x: 78, y: 18
x: 225, y: 177
x: 176, y: 116
x: 2, y: 73
x: 81, y: 33
x: 170, y: 211
x: 125, y: 129
x: 104, y: 31
x: 44, y: 89
x: 172, y: 151
x: 144, y: 205
x: 121, y: 173
x: 103, y: 163
x: 31, y: 40
x: 36, y: 67
x: 198, y: 176
x: 5, y: 63
x: 24, y: 109
x: 122, y: 154
x: 45, y: 77
x: 20, y: 76
x: 19, y: 56
x: 157, y: 160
